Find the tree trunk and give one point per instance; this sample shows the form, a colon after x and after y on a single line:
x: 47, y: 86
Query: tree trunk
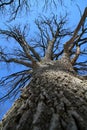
x: 55, y: 99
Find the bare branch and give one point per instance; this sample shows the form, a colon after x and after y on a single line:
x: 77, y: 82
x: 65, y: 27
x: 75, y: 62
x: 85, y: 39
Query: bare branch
x: 49, y: 51
x: 75, y: 36
x: 77, y: 53
x: 56, y: 56
x: 51, y: 31
x: 6, y: 3
x: 81, y: 22
x: 15, y: 81
x: 25, y: 46
x: 14, y: 7
x: 15, y: 60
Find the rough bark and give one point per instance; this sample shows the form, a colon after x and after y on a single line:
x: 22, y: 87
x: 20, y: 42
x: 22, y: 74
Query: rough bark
x: 55, y: 99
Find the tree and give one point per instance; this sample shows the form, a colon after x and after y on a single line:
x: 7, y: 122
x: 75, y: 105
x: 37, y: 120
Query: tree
x: 56, y: 91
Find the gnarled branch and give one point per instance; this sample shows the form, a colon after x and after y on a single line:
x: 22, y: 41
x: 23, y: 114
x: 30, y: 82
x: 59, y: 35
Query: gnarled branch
x: 77, y: 53
x: 25, y: 46
x: 75, y: 35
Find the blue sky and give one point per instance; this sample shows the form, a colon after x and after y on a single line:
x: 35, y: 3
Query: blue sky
x: 35, y: 11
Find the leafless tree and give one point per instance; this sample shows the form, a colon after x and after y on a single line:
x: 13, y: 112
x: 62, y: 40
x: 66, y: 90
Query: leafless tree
x: 49, y: 44
x: 52, y: 84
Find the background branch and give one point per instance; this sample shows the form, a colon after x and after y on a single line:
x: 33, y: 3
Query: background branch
x: 15, y: 81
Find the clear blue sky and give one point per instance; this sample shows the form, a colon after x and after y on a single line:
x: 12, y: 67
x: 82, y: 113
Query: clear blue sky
x: 73, y: 16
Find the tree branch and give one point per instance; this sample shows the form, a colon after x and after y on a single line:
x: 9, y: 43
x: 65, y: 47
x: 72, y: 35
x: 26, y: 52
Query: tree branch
x: 15, y: 60
x: 75, y: 36
x: 6, y: 3
x: 25, y: 46
x: 18, y: 80
x: 52, y: 30
x: 49, y: 51
x: 77, y: 53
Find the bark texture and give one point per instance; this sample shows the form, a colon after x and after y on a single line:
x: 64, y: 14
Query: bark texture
x: 55, y: 99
